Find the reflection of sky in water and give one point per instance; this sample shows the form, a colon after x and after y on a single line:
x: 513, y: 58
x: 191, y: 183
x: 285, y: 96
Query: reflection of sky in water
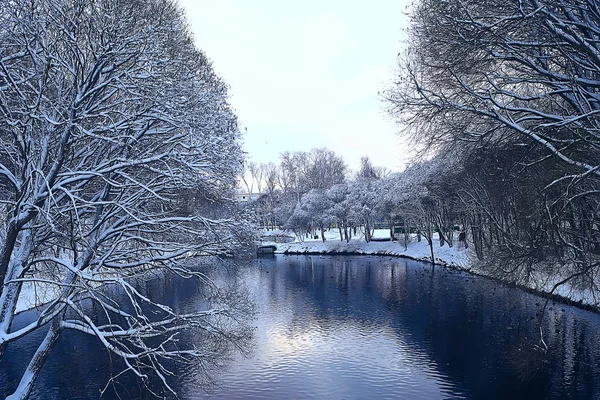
x: 323, y: 347
x: 340, y: 349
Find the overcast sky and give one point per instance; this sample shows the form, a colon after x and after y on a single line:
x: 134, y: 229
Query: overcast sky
x: 307, y: 74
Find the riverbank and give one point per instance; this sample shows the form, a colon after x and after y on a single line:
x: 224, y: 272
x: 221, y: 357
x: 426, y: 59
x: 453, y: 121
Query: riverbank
x: 456, y: 257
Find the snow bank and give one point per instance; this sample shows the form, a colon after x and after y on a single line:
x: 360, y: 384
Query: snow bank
x: 448, y: 256
x: 381, y: 234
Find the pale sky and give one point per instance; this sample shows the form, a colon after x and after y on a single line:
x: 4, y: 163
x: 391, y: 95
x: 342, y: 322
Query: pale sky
x: 306, y: 74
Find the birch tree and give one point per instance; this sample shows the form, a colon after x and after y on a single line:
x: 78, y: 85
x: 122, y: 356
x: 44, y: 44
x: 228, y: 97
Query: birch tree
x: 108, y: 112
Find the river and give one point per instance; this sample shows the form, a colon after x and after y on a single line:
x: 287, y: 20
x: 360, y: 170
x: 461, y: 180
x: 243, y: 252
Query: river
x: 363, y: 327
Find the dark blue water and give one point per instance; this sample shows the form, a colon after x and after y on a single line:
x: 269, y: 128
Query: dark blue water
x: 364, y: 327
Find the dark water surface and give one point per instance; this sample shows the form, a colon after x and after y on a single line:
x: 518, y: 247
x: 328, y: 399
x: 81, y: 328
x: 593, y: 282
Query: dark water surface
x: 365, y: 328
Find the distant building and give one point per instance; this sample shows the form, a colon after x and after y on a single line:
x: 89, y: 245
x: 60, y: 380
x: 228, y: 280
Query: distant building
x: 242, y: 197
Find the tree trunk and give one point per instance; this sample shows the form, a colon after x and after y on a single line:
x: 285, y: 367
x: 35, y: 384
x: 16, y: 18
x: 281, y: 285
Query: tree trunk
x: 431, y: 250
x: 36, y: 363
x: 10, y: 294
x: 449, y: 236
x: 346, y: 232
x: 367, y: 231
x: 8, y: 249
x: 477, y: 241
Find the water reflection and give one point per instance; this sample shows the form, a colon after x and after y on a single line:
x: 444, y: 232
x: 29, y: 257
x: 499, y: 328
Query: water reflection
x: 367, y: 327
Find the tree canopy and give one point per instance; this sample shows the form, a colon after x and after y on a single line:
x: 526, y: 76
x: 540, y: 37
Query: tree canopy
x: 109, y: 113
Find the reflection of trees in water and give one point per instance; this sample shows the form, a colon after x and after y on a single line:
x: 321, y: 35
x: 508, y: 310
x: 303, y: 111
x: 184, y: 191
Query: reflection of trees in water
x: 477, y: 332
x: 220, y: 337
x: 335, y: 292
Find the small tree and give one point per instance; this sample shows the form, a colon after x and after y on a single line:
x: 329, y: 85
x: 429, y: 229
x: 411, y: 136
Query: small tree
x: 340, y: 208
x: 317, y: 206
x: 363, y: 205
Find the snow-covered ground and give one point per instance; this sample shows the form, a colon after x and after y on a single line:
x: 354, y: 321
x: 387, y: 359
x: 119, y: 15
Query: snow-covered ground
x: 450, y: 256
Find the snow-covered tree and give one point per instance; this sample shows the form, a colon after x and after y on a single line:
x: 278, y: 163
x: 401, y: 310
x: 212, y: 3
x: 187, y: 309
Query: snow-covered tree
x: 369, y: 171
x: 340, y: 209
x: 363, y: 200
x: 300, y: 222
x: 505, y: 78
x: 316, y: 206
x: 107, y: 113
x: 285, y: 204
x: 478, y: 70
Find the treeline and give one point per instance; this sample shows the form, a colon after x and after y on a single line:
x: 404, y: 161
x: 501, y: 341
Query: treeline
x: 283, y: 186
x: 418, y: 201
x: 514, y: 214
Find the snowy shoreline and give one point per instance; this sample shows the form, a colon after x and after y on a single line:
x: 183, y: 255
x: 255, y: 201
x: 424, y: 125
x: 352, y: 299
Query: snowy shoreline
x: 449, y: 260
x: 454, y: 257
x: 457, y: 258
